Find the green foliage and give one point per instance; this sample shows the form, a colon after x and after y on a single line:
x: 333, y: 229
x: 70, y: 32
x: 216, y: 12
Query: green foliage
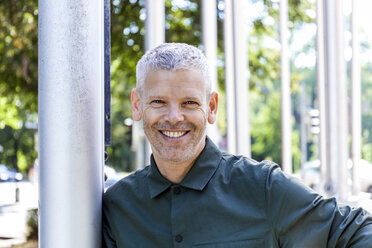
x: 127, y: 29
x: 18, y: 81
x: 32, y: 224
x: 183, y: 22
x: 18, y: 147
x: 18, y: 75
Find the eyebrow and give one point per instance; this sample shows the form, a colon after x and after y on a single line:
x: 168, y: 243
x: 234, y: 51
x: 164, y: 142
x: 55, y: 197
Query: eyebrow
x: 191, y: 98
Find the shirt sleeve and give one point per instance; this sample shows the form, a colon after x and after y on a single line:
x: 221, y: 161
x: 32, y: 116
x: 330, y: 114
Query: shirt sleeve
x: 302, y: 218
x: 107, y: 239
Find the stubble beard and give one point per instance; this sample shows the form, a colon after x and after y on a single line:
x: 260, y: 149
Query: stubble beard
x: 176, y: 154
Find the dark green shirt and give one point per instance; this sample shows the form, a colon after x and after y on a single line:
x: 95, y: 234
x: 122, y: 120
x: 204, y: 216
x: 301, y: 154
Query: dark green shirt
x: 227, y: 201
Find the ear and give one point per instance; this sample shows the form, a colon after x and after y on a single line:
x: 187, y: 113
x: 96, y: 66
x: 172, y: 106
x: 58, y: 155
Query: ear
x: 213, y: 105
x: 135, y: 100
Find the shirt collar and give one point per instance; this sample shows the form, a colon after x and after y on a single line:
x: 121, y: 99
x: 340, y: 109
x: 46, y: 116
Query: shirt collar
x: 198, y: 176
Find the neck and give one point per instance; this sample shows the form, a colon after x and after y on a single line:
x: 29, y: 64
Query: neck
x: 175, y: 171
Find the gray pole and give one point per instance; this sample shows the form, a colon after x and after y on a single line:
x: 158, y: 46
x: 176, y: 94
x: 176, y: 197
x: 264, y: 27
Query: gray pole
x: 331, y: 96
x: 285, y: 89
x: 209, y: 32
x: 229, y: 77
x: 343, y: 151
x: 356, y: 119
x: 303, y: 121
x: 240, y: 49
x: 337, y: 143
x: 155, y: 27
x: 320, y: 67
x: 71, y: 122
x: 154, y: 36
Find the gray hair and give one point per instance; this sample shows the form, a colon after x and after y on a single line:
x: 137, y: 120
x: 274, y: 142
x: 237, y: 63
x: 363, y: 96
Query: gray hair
x: 172, y: 57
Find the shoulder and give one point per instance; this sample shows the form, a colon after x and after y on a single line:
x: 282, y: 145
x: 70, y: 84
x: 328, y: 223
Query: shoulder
x: 244, y: 172
x: 134, y: 183
x: 248, y: 167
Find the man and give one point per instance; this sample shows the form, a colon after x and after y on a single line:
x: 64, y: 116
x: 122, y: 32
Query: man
x: 193, y: 195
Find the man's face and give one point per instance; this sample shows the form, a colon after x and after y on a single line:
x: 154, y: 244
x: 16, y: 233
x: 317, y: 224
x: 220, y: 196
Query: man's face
x: 174, y: 108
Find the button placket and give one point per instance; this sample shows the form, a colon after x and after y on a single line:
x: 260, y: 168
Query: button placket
x: 178, y: 238
x: 177, y: 216
x: 177, y: 190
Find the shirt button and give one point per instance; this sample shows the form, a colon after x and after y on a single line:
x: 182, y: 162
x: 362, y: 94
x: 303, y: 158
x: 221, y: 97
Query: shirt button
x: 177, y: 190
x: 178, y: 238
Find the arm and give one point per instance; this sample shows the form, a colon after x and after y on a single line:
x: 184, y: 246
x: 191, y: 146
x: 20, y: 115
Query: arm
x: 107, y: 239
x: 302, y: 218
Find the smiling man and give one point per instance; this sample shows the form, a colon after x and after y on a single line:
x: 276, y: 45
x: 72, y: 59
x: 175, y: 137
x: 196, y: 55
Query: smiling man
x: 175, y: 107
x: 194, y: 195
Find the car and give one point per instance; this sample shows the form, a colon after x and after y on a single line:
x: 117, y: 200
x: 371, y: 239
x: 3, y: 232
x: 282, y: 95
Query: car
x: 111, y: 176
x: 9, y: 175
x: 311, y: 174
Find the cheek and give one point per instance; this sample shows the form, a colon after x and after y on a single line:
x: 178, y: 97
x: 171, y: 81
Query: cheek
x: 199, y: 114
x: 152, y: 114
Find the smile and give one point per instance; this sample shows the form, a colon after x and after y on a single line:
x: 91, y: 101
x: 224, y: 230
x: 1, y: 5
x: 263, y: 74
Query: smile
x: 174, y: 135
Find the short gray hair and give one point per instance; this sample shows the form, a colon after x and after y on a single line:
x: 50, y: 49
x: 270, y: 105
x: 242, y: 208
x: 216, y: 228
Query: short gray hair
x: 172, y: 57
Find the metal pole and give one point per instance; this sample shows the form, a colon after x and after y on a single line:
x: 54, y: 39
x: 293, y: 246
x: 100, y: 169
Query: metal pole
x: 71, y: 122
x: 320, y: 67
x: 209, y: 32
x: 240, y: 43
x: 155, y: 27
x: 154, y: 36
x: 304, y: 115
x: 285, y: 89
x: 343, y: 151
x: 337, y: 142
x: 331, y: 96
x: 229, y: 78
x: 356, y: 118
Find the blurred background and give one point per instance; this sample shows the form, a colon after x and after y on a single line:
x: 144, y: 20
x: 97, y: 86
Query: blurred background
x: 183, y: 23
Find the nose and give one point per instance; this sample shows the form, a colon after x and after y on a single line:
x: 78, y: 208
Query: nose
x: 174, y: 114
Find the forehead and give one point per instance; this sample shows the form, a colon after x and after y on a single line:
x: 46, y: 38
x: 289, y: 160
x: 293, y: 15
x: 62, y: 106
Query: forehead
x: 174, y: 82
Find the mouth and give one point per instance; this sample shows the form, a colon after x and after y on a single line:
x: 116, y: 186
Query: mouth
x: 173, y: 134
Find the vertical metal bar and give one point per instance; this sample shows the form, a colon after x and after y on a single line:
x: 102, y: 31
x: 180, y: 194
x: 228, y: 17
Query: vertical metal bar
x: 229, y: 78
x: 71, y: 122
x: 331, y: 95
x: 356, y: 118
x: 107, y: 34
x: 343, y: 136
x: 240, y: 49
x: 285, y: 89
x: 209, y: 35
x: 337, y: 142
x: 331, y: 88
x: 303, y: 111
x: 320, y: 67
x: 155, y: 23
x: 154, y: 36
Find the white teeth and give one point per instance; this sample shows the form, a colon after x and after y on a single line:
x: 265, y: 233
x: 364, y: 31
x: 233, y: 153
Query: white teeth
x: 173, y: 134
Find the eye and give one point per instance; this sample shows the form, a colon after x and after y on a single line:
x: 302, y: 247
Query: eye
x: 191, y: 103
x: 157, y: 102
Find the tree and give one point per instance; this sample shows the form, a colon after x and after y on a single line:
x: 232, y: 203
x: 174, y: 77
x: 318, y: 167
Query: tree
x: 18, y: 68
x: 18, y: 81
